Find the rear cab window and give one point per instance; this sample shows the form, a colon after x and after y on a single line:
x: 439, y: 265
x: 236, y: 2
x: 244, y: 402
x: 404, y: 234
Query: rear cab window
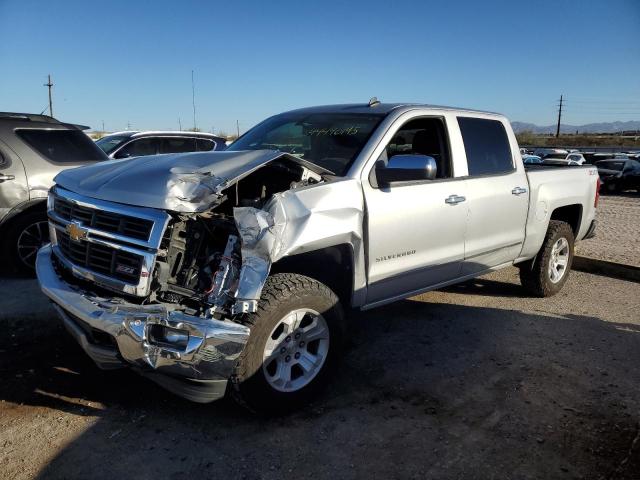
x: 487, y: 146
x: 62, y: 146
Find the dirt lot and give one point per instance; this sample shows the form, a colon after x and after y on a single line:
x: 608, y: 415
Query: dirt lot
x: 618, y: 232
x: 471, y: 382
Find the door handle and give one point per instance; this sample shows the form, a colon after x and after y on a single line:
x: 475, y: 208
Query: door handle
x: 454, y: 199
x: 4, y: 177
x: 519, y: 191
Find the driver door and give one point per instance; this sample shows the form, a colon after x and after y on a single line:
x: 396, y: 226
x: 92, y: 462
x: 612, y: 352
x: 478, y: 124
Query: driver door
x: 415, y: 233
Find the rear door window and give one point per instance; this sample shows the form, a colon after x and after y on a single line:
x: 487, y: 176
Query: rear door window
x: 178, y: 145
x: 62, y: 146
x: 487, y: 146
x: 205, y: 145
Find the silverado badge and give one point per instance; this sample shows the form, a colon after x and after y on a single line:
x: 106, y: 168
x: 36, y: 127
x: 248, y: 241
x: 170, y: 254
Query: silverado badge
x: 76, y: 232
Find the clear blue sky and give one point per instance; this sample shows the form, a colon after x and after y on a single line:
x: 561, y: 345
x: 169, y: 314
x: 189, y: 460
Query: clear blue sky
x: 131, y: 61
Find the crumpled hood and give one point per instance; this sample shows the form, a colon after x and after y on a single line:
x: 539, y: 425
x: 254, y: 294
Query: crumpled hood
x: 181, y: 182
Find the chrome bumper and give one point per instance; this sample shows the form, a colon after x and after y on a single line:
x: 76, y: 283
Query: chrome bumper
x: 196, y: 366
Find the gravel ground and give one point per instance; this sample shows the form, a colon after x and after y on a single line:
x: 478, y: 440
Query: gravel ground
x: 471, y: 382
x: 618, y: 232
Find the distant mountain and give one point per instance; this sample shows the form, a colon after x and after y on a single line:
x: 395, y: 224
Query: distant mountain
x: 608, y: 127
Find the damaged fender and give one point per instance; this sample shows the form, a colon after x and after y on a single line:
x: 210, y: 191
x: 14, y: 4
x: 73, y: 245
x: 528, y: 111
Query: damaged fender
x: 298, y: 221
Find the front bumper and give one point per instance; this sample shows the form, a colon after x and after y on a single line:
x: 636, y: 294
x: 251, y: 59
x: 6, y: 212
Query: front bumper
x: 115, y: 334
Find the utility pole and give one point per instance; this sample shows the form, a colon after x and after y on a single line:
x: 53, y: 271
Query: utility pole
x: 179, y: 124
x: 49, y: 84
x: 238, y: 128
x: 128, y: 125
x: 102, y: 126
x: 559, y: 117
x: 193, y: 100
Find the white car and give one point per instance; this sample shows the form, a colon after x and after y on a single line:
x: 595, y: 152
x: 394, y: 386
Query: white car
x: 543, y: 152
x: 565, y: 158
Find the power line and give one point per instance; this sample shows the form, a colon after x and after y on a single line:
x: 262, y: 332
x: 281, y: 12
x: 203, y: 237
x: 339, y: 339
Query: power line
x: 559, y: 117
x: 49, y: 85
x: 193, y: 100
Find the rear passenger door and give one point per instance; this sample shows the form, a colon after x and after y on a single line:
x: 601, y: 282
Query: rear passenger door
x: 497, y: 194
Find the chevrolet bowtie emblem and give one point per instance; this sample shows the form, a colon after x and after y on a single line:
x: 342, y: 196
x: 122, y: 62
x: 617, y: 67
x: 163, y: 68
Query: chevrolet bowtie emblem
x: 76, y: 232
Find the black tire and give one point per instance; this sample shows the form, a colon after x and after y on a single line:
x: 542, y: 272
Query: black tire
x: 534, y: 274
x: 22, y: 259
x: 611, y: 188
x: 284, y: 293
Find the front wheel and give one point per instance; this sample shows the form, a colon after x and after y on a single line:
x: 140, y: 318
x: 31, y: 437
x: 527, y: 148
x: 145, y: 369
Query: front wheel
x: 547, y: 273
x: 25, y: 236
x: 295, y: 341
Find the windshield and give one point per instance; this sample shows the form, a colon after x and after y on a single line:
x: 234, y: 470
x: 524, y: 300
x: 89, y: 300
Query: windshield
x: 610, y: 165
x: 331, y: 140
x: 109, y: 143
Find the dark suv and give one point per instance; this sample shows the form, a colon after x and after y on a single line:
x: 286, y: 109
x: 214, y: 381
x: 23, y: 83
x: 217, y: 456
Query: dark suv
x: 137, y: 144
x: 33, y: 150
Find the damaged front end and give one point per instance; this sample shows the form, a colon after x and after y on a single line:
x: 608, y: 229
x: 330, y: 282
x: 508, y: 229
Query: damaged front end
x: 162, y: 286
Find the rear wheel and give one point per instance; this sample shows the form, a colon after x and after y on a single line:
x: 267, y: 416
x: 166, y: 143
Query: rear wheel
x: 26, y: 234
x: 295, y: 341
x: 547, y: 273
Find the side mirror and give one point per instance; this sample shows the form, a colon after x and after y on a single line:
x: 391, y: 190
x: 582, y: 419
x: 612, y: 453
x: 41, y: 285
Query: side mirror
x: 403, y: 168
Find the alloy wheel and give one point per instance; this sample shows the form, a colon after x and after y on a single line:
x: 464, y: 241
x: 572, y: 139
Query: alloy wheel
x: 296, y: 350
x: 559, y: 260
x: 30, y: 240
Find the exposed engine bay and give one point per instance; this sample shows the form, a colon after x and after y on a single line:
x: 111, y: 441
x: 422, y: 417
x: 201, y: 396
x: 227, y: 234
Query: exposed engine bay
x: 200, y: 260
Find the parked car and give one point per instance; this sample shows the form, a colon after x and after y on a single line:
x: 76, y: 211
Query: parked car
x: 564, y: 158
x: 137, y: 144
x: 33, y: 149
x: 618, y: 175
x: 543, y: 152
x: 531, y: 159
x: 232, y: 269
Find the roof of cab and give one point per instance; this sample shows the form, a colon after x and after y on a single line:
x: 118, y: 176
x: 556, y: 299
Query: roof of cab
x: 379, y: 108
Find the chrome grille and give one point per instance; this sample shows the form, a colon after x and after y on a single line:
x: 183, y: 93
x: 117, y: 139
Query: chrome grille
x: 111, y: 244
x: 105, y: 221
x: 109, y: 261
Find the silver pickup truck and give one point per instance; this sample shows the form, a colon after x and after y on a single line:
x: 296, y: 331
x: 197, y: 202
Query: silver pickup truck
x: 230, y: 271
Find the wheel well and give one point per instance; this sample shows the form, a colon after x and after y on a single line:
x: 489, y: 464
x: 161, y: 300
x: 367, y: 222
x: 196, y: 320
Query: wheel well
x: 22, y: 209
x: 571, y: 214
x: 332, y: 266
